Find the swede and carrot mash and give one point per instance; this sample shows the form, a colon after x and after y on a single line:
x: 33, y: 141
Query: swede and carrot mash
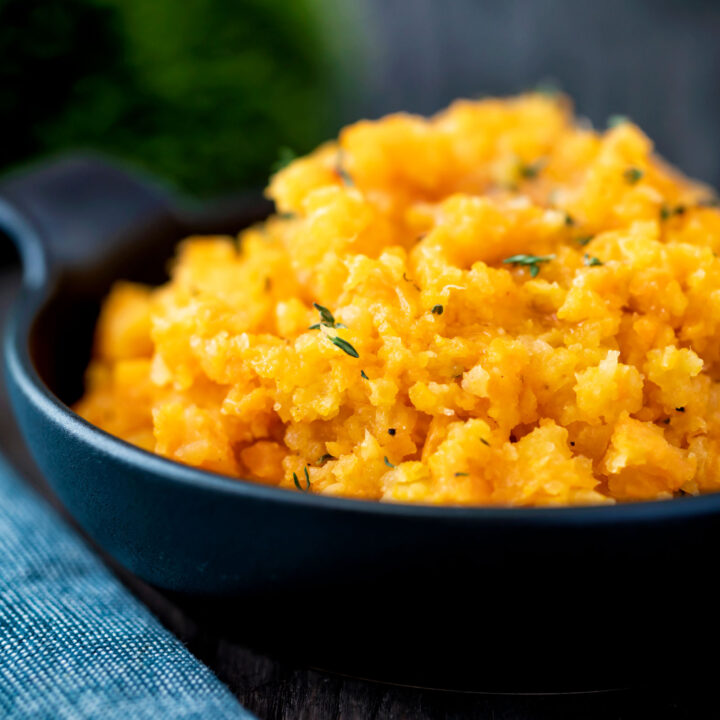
x: 496, y: 305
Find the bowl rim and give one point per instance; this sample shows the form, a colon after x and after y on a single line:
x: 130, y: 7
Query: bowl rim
x: 21, y: 370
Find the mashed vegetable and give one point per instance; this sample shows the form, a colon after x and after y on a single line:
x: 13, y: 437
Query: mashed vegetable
x: 496, y: 305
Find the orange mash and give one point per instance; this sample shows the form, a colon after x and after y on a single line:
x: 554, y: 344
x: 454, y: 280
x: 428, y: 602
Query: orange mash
x: 496, y: 305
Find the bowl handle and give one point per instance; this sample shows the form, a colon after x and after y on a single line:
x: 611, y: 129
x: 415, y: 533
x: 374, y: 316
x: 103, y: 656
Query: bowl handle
x: 72, y: 210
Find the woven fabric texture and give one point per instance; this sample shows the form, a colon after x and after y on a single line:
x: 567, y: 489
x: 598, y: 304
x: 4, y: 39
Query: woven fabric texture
x: 74, y: 643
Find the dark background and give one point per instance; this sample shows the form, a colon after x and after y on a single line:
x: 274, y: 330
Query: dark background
x: 204, y: 93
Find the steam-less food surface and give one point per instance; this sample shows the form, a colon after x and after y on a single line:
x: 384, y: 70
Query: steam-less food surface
x: 498, y: 305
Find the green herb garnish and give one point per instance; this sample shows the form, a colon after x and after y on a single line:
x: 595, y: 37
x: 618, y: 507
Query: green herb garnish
x: 345, y: 177
x: 345, y: 346
x: 307, y: 481
x: 666, y: 211
x: 569, y: 220
x: 387, y: 462
x: 412, y: 282
x: 342, y: 173
x: 461, y: 474
x: 529, y: 171
x: 363, y: 375
x: 484, y: 442
x: 437, y: 310
x: 324, y: 458
x: 615, y: 120
x: 532, y: 262
x: 591, y: 261
x: 326, y: 318
x: 633, y: 175
x: 584, y: 240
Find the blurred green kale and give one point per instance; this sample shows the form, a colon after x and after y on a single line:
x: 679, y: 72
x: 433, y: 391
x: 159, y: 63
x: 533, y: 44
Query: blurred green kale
x: 201, y: 92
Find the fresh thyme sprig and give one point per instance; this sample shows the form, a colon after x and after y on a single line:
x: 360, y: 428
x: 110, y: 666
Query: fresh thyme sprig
x: 341, y: 172
x: 633, y: 175
x: 532, y: 262
x: 615, y: 120
x: 667, y: 211
x: 326, y: 318
x: 345, y: 346
x: 591, y: 261
x: 529, y: 171
x: 307, y: 481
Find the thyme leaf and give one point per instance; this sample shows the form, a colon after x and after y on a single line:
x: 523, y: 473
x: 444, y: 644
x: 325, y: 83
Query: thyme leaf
x: 633, y: 175
x: 325, y: 314
x: 667, y: 211
x: 615, y: 120
x: 532, y: 262
x: 307, y: 481
x: 345, y: 346
x: 529, y: 171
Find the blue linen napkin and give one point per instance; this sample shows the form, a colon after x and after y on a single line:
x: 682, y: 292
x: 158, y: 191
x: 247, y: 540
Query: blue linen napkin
x: 74, y: 643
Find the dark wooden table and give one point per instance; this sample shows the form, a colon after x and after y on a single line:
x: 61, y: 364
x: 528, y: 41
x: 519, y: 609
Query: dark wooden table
x: 272, y: 688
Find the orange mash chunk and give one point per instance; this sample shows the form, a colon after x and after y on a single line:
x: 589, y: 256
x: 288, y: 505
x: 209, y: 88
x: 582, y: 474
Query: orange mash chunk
x: 495, y: 305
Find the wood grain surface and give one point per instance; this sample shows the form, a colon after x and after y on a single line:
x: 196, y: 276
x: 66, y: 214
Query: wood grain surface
x: 275, y: 689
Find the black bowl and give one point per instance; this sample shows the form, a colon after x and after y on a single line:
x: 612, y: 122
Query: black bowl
x: 495, y: 599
